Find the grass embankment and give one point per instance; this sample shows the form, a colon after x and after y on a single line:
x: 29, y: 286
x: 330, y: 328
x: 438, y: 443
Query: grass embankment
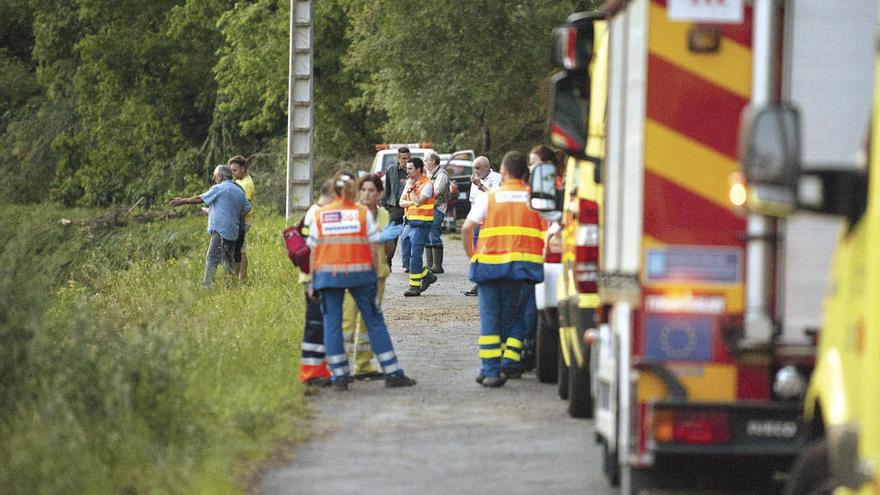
x: 119, y: 375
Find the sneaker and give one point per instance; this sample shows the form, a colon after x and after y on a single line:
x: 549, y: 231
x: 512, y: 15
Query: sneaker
x: 494, y: 381
x: 413, y: 291
x: 396, y: 380
x: 341, y: 383
x: 472, y: 292
x: 370, y: 375
x: 319, y: 382
x: 512, y: 373
x: 480, y: 378
x: 429, y: 279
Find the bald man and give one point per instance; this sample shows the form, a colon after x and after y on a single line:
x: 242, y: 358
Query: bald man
x: 483, y: 180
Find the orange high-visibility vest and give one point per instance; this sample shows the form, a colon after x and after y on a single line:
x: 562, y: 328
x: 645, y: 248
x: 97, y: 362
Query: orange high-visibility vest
x: 424, y: 212
x: 342, y: 245
x: 511, y: 241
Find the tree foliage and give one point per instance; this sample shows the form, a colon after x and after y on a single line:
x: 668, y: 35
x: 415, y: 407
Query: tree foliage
x: 112, y: 101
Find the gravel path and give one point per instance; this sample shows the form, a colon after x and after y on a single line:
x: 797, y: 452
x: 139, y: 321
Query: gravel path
x: 447, y: 434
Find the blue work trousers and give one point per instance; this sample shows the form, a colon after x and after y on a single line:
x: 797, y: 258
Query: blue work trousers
x: 365, y: 298
x: 502, y: 325
x: 434, y: 239
x: 405, y: 244
x: 418, y: 236
x: 531, y: 316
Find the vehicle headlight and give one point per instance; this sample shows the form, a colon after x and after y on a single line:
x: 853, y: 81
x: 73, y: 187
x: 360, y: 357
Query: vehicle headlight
x: 789, y: 383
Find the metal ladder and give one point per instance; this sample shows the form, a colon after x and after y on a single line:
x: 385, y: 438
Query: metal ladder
x: 299, y: 111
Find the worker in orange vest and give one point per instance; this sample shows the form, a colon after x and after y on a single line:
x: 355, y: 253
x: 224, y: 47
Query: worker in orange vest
x: 341, y: 259
x: 507, y: 262
x: 418, y: 199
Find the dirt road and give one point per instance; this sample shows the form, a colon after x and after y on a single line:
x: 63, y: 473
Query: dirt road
x: 447, y: 434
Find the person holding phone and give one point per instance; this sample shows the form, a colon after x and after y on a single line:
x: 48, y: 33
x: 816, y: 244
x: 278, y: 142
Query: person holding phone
x: 483, y: 180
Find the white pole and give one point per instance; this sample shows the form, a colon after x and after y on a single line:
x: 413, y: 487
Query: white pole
x: 290, y: 81
x: 759, y: 252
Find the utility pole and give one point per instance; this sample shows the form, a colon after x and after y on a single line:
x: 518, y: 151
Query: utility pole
x: 299, y: 110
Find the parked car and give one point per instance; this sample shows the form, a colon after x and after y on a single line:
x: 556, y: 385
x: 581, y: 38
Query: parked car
x: 386, y: 155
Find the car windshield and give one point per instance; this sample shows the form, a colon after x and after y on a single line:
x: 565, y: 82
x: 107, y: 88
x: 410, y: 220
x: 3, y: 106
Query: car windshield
x: 391, y: 158
x: 459, y: 170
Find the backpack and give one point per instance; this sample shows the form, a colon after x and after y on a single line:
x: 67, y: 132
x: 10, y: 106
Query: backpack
x: 297, y: 250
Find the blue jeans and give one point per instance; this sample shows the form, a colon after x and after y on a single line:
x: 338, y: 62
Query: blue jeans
x: 434, y: 239
x: 365, y: 298
x: 418, y: 235
x: 219, y: 249
x: 502, y: 306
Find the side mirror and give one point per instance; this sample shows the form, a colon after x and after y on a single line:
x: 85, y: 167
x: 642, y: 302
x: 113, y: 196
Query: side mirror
x: 573, y: 42
x: 569, y: 112
x: 770, y: 144
x: 542, y: 196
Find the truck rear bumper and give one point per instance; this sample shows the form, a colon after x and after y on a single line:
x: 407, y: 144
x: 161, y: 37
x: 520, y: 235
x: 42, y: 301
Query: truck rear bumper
x: 762, y: 431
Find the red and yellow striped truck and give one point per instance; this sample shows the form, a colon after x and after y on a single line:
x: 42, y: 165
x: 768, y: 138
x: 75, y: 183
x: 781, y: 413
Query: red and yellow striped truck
x: 685, y: 349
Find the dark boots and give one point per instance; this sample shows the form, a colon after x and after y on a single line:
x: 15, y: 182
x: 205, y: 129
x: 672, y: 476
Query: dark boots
x: 437, y: 256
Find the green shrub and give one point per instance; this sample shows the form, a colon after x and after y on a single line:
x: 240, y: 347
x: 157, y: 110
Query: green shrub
x: 128, y: 378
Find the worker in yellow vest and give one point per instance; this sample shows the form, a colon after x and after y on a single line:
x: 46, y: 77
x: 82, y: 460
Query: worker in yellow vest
x: 341, y: 259
x: 507, y: 262
x: 418, y: 199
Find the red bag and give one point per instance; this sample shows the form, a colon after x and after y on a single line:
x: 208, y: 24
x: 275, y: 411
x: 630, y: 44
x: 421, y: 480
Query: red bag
x: 297, y: 250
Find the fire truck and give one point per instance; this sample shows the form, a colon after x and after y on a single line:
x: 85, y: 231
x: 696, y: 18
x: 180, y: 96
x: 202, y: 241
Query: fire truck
x: 801, y: 154
x: 694, y: 362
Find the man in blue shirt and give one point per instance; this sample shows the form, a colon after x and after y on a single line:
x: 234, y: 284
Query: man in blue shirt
x: 227, y: 207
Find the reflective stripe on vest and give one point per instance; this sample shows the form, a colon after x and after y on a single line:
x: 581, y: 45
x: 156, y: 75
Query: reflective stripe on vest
x: 424, y: 212
x: 342, y: 245
x: 511, y: 231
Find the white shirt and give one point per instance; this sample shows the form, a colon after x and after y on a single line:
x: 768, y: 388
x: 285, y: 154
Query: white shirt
x: 312, y: 240
x: 479, y: 209
x: 492, y: 181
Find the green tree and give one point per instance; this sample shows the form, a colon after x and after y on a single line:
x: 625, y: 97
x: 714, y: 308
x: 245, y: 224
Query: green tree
x: 458, y: 73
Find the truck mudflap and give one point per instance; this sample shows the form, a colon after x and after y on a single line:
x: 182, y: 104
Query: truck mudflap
x: 756, y: 429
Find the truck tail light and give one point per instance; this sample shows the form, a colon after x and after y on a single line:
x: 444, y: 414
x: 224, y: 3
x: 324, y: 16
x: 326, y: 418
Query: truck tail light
x: 586, y: 251
x: 694, y: 427
x: 553, y: 248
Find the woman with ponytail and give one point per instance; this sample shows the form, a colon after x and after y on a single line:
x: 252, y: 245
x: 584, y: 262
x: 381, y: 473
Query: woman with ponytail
x: 340, y: 234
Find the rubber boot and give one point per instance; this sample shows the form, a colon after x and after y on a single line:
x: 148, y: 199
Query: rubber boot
x: 429, y: 257
x: 437, y: 266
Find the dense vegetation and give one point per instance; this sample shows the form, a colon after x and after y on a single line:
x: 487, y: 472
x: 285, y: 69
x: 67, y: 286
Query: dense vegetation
x: 106, y: 101
x: 131, y: 379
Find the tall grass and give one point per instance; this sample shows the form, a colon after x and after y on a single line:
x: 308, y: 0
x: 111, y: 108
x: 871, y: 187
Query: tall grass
x: 120, y: 375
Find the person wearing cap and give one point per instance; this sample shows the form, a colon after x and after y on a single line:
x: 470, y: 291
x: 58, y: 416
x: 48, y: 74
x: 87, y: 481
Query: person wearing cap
x: 228, y: 206
x: 508, y: 259
x: 341, y: 259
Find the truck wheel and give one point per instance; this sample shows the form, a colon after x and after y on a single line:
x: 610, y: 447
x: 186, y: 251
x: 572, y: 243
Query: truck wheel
x: 810, y: 474
x: 610, y: 466
x: 639, y: 480
x: 562, y: 373
x: 580, y: 397
x: 547, y: 347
